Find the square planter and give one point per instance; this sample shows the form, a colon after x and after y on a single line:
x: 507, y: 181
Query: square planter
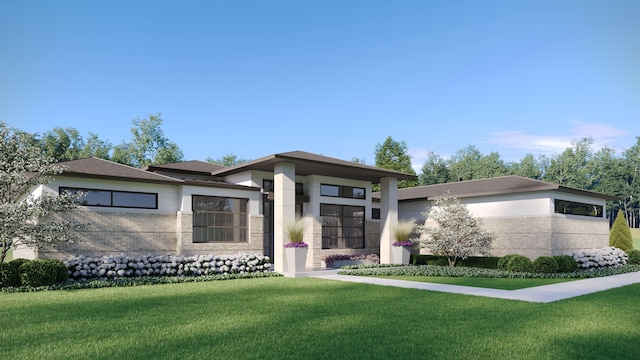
x: 296, y: 259
x: 401, y: 254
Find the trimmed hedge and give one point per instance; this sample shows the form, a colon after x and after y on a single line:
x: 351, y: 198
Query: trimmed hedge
x: 43, y: 272
x: 519, y: 263
x: 566, y: 263
x: 10, y: 273
x: 490, y: 262
x: 545, y: 265
x: 634, y: 257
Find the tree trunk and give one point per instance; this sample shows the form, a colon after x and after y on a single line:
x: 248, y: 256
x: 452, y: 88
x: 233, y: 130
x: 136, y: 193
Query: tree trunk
x: 452, y: 261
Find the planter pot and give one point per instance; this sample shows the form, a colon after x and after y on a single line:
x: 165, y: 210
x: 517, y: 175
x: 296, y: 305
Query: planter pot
x: 401, y: 254
x: 296, y: 259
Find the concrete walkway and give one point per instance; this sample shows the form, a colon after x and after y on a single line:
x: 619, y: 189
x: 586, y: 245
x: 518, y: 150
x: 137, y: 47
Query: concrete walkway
x: 539, y: 294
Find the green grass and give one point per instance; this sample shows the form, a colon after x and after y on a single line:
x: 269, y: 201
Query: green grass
x: 635, y: 234
x: 503, y: 284
x: 282, y: 318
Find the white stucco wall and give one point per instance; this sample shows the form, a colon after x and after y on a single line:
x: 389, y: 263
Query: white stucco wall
x: 168, y: 195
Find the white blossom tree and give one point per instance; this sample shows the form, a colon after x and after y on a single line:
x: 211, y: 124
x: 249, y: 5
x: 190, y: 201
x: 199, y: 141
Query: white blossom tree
x: 24, y: 219
x: 458, y: 234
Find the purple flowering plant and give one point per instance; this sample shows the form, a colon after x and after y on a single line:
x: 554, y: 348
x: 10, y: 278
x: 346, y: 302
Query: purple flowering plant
x: 300, y: 244
x: 403, y: 243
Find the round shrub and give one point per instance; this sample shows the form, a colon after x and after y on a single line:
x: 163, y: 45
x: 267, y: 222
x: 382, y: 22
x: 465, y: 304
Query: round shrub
x: 634, y: 257
x: 566, y: 263
x: 42, y: 272
x: 519, y: 263
x: 8, y: 275
x: 503, y: 263
x: 545, y: 265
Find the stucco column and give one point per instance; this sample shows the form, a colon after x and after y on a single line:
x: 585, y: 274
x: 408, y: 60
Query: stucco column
x: 388, y: 216
x: 284, y: 209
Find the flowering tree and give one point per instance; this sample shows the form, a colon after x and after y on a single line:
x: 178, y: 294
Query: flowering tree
x: 458, y: 234
x: 28, y: 220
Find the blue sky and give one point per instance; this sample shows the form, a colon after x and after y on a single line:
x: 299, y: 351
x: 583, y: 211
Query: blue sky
x: 255, y: 78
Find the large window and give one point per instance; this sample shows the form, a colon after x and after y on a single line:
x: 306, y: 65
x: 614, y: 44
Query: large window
x: 342, y: 226
x: 342, y: 191
x: 577, y: 208
x: 217, y: 219
x: 112, y: 198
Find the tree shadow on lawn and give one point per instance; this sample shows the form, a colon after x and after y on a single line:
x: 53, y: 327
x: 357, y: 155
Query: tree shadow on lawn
x: 310, y: 318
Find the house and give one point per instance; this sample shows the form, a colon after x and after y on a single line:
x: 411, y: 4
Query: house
x: 194, y: 207
x: 527, y: 216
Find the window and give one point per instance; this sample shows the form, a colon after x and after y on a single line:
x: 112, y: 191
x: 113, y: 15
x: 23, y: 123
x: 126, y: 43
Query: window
x: 342, y: 191
x: 375, y: 213
x: 219, y: 219
x: 577, y: 208
x: 342, y: 226
x: 267, y: 185
x: 112, y: 198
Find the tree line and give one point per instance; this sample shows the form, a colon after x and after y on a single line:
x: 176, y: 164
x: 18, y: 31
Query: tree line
x: 579, y: 166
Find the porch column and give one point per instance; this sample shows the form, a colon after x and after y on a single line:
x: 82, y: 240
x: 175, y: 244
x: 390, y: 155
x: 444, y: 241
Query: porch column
x: 284, y: 209
x: 388, y: 216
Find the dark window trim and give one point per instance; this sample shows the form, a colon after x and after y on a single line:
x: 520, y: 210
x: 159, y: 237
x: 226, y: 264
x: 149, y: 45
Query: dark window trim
x: 345, y: 191
x: 342, y: 226
x: 235, y: 213
x: 111, y: 192
x: 567, y: 207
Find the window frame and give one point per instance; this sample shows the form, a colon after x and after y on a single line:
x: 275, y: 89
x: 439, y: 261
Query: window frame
x: 239, y: 221
x: 344, y: 191
x: 63, y: 189
x: 560, y: 206
x: 343, y: 227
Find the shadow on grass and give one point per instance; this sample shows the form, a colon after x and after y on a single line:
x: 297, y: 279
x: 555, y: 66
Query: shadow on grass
x: 306, y: 318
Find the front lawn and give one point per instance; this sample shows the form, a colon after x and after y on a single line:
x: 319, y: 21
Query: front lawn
x: 283, y: 318
x: 635, y: 234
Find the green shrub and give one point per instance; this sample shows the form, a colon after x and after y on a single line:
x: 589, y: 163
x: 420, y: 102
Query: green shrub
x: 634, y: 257
x: 566, y: 263
x: 436, y: 260
x: 42, y: 272
x: 487, y: 262
x: 519, y: 263
x: 620, y: 235
x: 503, y: 263
x: 545, y: 265
x: 8, y: 275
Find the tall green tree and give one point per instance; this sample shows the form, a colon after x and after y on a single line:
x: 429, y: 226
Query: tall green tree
x: 394, y: 155
x: 95, y: 147
x: 620, y: 235
x: 63, y: 144
x: 227, y: 160
x: 527, y: 167
x: 631, y: 204
x: 571, y: 167
x: 24, y: 219
x: 489, y: 166
x: 463, y: 165
x: 434, y: 170
x: 149, y: 145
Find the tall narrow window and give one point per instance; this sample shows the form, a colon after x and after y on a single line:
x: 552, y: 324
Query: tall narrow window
x: 219, y: 219
x: 342, y: 226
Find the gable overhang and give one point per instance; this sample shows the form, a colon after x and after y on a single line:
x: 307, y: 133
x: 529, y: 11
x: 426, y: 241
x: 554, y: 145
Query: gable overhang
x: 311, y: 164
